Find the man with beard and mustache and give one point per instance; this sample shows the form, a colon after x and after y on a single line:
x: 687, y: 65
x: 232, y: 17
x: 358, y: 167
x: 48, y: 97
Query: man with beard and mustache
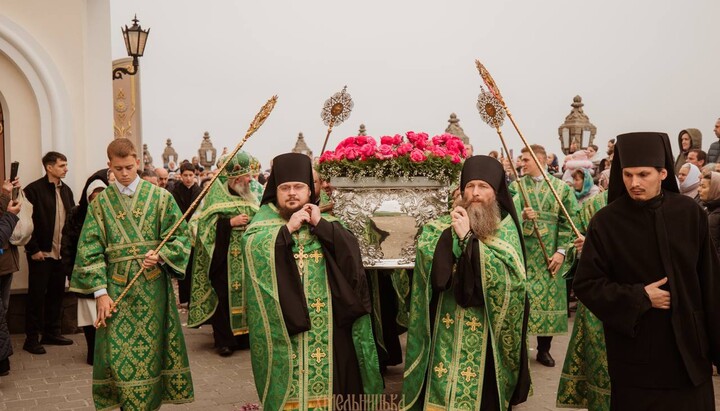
x: 466, y: 346
x: 547, y: 287
x: 650, y: 273
x: 308, y: 305
x: 218, y: 285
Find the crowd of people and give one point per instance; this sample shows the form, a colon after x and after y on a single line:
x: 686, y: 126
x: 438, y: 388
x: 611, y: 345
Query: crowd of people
x: 634, y: 235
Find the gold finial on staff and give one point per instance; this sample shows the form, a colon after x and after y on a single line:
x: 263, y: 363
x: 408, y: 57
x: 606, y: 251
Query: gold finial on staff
x: 495, y: 90
x: 257, y: 122
x: 493, y: 114
x: 336, y: 110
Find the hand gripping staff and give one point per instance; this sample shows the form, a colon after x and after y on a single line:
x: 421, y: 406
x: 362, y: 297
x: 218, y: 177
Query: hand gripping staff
x: 258, y: 121
x: 493, y: 109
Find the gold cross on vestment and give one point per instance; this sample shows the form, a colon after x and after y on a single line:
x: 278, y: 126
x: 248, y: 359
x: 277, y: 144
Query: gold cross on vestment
x: 473, y: 323
x: 448, y: 321
x: 134, y: 250
x: 468, y: 374
x: 318, y: 305
x: 440, y: 370
x: 318, y: 355
x: 236, y: 285
x: 234, y: 252
x: 137, y: 213
x: 301, y: 256
x: 316, y: 256
x: 121, y: 215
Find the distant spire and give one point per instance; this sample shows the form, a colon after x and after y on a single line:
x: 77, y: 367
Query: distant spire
x: 455, y: 129
x: 301, y: 146
x: 362, y: 131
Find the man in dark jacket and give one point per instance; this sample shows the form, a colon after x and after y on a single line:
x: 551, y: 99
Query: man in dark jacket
x: 51, y: 200
x: 713, y: 154
x: 185, y: 192
x: 650, y: 273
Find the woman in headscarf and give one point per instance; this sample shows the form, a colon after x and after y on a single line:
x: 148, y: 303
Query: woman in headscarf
x: 87, y: 314
x: 583, y: 184
x: 688, y: 139
x: 689, y: 177
x: 710, y: 196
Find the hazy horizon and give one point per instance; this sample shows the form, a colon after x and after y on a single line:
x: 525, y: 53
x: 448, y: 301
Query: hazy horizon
x: 643, y: 65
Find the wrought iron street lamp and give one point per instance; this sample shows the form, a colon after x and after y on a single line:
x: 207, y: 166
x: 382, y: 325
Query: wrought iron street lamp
x: 135, y: 40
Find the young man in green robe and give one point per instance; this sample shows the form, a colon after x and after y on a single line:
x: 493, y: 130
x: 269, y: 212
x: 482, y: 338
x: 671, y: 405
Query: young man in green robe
x: 311, y: 339
x: 218, y: 281
x: 140, y: 356
x: 585, y: 381
x: 466, y: 346
x: 547, y: 287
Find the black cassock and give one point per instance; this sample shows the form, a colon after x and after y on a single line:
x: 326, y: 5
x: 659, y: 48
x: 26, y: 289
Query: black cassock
x: 658, y: 359
x: 350, y: 296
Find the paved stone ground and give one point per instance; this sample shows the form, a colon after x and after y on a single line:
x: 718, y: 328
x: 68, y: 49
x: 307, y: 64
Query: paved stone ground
x: 60, y: 379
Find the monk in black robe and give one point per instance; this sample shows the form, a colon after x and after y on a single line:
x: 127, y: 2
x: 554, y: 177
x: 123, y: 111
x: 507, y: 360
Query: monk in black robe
x: 185, y: 194
x: 649, y: 272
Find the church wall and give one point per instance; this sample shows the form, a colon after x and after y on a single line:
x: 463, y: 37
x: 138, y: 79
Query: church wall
x: 56, y: 84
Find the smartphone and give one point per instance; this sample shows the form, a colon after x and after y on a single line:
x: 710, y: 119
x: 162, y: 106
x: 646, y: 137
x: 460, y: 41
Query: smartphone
x: 14, y: 166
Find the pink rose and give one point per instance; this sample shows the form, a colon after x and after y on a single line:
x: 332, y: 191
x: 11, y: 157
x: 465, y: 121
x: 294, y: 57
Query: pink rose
x: 438, y: 151
x: 441, y: 139
x: 352, y: 153
x: 454, y: 145
x: 385, y: 151
x: 350, y: 141
x: 367, y: 150
x: 417, y: 156
x: 404, y: 148
x: 455, y: 159
x: 391, y: 141
x: 341, y: 153
x: 361, y: 140
x: 327, y: 156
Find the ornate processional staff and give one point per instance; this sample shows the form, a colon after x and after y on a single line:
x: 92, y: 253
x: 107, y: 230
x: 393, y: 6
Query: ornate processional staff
x: 494, y: 115
x: 492, y: 86
x: 258, y: 121
x: 336, y: 110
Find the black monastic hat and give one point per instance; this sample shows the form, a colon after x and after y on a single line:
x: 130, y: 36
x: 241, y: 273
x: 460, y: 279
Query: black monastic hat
x: 642, y: 149
x: 285, y: 168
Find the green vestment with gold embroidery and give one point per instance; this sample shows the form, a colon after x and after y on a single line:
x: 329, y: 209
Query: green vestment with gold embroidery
x: 140, y: 357
x: 450, y: 359
x: 257, y: 189
x: 548, y: 294
x: 585, y: 381
x: 296, y: 372
x: 219, y: 204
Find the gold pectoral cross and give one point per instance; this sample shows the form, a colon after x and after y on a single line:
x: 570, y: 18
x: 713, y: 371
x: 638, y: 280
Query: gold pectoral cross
x: 301, y: 257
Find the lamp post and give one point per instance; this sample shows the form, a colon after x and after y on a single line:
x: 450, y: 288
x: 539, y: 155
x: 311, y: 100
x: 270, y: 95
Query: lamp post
x: 577, y: 132
x: 135, y: 39
x: 207, y: 153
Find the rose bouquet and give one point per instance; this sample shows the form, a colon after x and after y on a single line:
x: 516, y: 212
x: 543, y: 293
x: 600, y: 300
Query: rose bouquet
x: 413, y: 155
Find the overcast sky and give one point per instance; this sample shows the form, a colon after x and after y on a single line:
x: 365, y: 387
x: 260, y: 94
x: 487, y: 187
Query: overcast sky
x: 209, y: 66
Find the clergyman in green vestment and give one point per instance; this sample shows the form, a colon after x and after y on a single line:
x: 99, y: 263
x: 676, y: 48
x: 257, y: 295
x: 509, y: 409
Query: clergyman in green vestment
x: 547, y: 287
x: 585, y: 381
x: 140, y: 356
x: 311, y: 339
x: 466, y: 346
x: 218, y: 281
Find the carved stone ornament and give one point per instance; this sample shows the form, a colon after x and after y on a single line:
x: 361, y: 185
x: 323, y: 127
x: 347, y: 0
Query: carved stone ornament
x: 386, y: 215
